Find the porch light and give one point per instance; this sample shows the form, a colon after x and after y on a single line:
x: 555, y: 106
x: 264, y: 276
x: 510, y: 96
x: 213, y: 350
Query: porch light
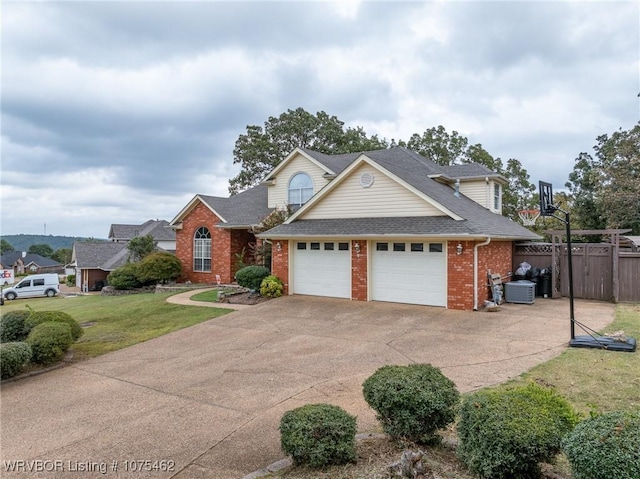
x: 278, y: 246
x: 357, y: 247
x: 459, y: 249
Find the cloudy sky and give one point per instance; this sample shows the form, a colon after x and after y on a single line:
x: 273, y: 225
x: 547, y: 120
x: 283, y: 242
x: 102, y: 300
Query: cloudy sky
x: 121, y: 111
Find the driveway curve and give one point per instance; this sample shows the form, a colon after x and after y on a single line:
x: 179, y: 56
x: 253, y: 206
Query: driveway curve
x: 207, y: 400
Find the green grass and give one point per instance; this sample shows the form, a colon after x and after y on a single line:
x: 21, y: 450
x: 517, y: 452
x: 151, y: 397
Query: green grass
x: 115, y: 322
x: 593, y: 379
x: 207, y: 296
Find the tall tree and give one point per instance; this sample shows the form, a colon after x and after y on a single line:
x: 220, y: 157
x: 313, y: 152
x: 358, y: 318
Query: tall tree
x: 140, y: 247
x: 519, y: 193
x: 260, y: 150
x: 583, y: 185
x: 439, y: 146
x: 41, y: 249
x: 5, y: 246
x: 63, y: 255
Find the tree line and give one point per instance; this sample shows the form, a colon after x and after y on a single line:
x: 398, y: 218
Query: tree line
x: 603, y: 189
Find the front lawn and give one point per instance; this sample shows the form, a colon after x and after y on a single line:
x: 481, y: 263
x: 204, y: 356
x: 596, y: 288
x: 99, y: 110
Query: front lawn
x: 115, y: 322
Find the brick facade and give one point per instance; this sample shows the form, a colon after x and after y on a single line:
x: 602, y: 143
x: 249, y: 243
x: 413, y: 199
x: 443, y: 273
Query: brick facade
x: 225, y: 245
x: 359, y: 274
x: 496, y: 257
x: 280, y: 262
x: 460, y: 275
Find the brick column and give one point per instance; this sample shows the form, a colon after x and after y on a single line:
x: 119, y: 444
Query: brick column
x: 280, y: 262
x: 460, y: 275
x: 359, y: 283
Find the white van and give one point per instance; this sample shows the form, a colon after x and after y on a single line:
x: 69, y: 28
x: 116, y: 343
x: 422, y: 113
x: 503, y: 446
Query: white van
x: 34, y: 285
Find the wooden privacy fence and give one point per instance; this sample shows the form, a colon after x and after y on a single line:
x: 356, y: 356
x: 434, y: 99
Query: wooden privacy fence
x: 601, y: 271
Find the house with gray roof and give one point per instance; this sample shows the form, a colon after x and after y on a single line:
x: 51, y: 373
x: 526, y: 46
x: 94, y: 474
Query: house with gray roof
x: 164, y: 236
x: 29, y: 263
x: 385, y: 225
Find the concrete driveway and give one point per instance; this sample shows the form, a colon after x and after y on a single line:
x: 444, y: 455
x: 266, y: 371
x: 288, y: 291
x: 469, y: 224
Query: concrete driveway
x: 207, y: 400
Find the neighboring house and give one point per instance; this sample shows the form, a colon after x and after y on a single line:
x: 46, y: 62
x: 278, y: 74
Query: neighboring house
x: 93, y: 261
x: 164, y: 236
x: 386, y: 225
x: 29, y: 263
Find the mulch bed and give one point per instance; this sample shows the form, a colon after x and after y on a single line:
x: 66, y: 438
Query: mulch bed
x: 245, y: 298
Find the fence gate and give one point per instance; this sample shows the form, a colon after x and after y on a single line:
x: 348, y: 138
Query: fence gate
x: 592, y: 271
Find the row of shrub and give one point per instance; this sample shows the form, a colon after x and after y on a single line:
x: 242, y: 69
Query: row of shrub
x: 41, y: 337
x: 159, y: 267
x: 502, y: 433
x: 258, y: 278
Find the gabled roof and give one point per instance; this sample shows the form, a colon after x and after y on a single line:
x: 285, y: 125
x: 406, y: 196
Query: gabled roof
x: 416, y: 171
x: 470, y: 171
x: 245, y: 209
x: 103, y: 255
x: 10, y: 258
x: 158, y: 229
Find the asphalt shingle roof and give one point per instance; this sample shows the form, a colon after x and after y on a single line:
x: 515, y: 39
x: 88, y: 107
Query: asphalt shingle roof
x: 244, y: 209
x: 10, y: 257
x: 104, y: 255
x: 156, y: 228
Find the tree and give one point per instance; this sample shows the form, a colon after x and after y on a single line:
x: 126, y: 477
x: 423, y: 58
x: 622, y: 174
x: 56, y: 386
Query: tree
x: 63, y: 255
x: 260, y: 150
x: 583, y: 186
x: 5, y: 246
x: 141, y: 246
x: 159, y: 267
x: 439, y: 146
x: 519, y: 193
x: 41, y: 249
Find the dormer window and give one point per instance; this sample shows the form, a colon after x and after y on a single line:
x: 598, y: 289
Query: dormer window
x: 300, y: 189
x: 496, y: 197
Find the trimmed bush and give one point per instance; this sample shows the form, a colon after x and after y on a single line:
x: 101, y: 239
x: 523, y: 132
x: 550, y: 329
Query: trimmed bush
x: 39, y: 317
x: 413, y: 401
x: 13, y: 326
x: 158, y: 267
x: 71, y: 280
x: 251, y: 277
x: 271, y: 287
x: 49, y: 342
x: 506, y: 433
x: 318, y: 435
x: 605, y: 446
x: 125, y: 277
x: 13, y: 357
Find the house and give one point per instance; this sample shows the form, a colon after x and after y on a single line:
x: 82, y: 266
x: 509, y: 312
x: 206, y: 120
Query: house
x: 164, y: 236
x: 93, y: 260
x: 384, y: 225
x: 29, y: 263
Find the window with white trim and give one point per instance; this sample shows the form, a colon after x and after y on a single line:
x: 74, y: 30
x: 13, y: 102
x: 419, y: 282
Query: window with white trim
x: 300, y: 189
x: 202, y: 250
x: 496, y: 197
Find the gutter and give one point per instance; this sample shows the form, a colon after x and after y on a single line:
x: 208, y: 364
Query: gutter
x: 475, y: 271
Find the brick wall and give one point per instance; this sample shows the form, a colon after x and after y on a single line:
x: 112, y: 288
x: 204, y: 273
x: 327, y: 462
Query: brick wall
x: 225, y: 244
x: 359, y: 271
x: 496, y: 257
x: 280, y: 262
x: 460, y: 275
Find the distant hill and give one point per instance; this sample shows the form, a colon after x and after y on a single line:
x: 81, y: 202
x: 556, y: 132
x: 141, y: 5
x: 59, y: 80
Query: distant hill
x: 24, y: 242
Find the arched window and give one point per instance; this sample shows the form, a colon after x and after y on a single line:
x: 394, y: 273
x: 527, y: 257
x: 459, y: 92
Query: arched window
x: 202, y: 250
x: 300, y: 189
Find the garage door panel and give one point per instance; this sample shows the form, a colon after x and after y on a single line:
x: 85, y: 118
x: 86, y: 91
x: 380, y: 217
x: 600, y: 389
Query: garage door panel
x: 415, y: 277
x: 322, y: 271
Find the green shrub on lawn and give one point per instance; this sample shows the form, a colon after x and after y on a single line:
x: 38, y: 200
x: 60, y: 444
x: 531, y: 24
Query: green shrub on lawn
x: 318, y: 435
x: 125, y: 277
x: 39, y: 317
x: 506, y: 433
x: 13, y: 326
x: 13, y: 356
x: 251, y: 276
x: 158, y: 267
x: 71, y: 280
x: 49, y: 342
x: 271, y: 287
x: 605, y: 447
x: 413, y: 401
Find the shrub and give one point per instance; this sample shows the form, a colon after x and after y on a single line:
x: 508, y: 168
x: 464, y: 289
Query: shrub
x: 251, y: 276
x: 49, y: 342
x: 413, y: 401
x: 71, y: 280
x: 158, y: 268
x: 13, y: 356
x: 506, y: 433
x: 271, y: 287
x: 318, y: 435
x: 39, y: 317
x: 124, y: 277
x: 605, y: 446
x: 13, y: 326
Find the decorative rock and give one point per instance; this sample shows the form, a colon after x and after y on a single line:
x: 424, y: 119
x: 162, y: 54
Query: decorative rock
x: 410, y: 466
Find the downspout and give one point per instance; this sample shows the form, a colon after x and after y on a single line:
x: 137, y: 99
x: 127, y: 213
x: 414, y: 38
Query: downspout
x: 475, y: 272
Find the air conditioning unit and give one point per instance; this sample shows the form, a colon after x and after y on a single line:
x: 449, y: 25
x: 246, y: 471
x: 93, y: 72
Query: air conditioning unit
x: 523, y: 292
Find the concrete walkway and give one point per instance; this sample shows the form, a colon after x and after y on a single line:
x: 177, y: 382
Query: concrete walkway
x: 185, y: 299
x: 208, y: 399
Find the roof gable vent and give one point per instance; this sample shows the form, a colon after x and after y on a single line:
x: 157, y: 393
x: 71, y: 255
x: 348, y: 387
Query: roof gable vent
x: 366, y: 180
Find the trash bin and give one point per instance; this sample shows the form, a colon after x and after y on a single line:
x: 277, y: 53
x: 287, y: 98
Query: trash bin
x: 544, y: 286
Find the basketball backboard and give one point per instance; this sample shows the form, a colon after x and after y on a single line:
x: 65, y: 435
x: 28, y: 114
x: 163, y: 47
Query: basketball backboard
x: 547, y: 208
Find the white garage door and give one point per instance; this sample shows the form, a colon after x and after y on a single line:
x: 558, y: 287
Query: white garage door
x: 409, y: 272
x: 322, y: 269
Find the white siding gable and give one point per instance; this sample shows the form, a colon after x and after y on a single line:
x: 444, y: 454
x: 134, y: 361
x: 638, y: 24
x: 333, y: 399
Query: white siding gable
x: 278, y: 192
x: 384, y: 198
x: 483, y: 192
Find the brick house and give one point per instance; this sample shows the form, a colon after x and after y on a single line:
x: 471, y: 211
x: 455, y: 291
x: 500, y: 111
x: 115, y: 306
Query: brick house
x: 385, y: 225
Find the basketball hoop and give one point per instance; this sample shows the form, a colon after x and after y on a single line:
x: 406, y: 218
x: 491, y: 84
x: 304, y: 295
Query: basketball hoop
x: 528, y: 217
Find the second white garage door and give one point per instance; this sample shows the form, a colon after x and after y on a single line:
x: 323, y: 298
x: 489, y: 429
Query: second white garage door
x: 322, y: 269
x: 409, y: 272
